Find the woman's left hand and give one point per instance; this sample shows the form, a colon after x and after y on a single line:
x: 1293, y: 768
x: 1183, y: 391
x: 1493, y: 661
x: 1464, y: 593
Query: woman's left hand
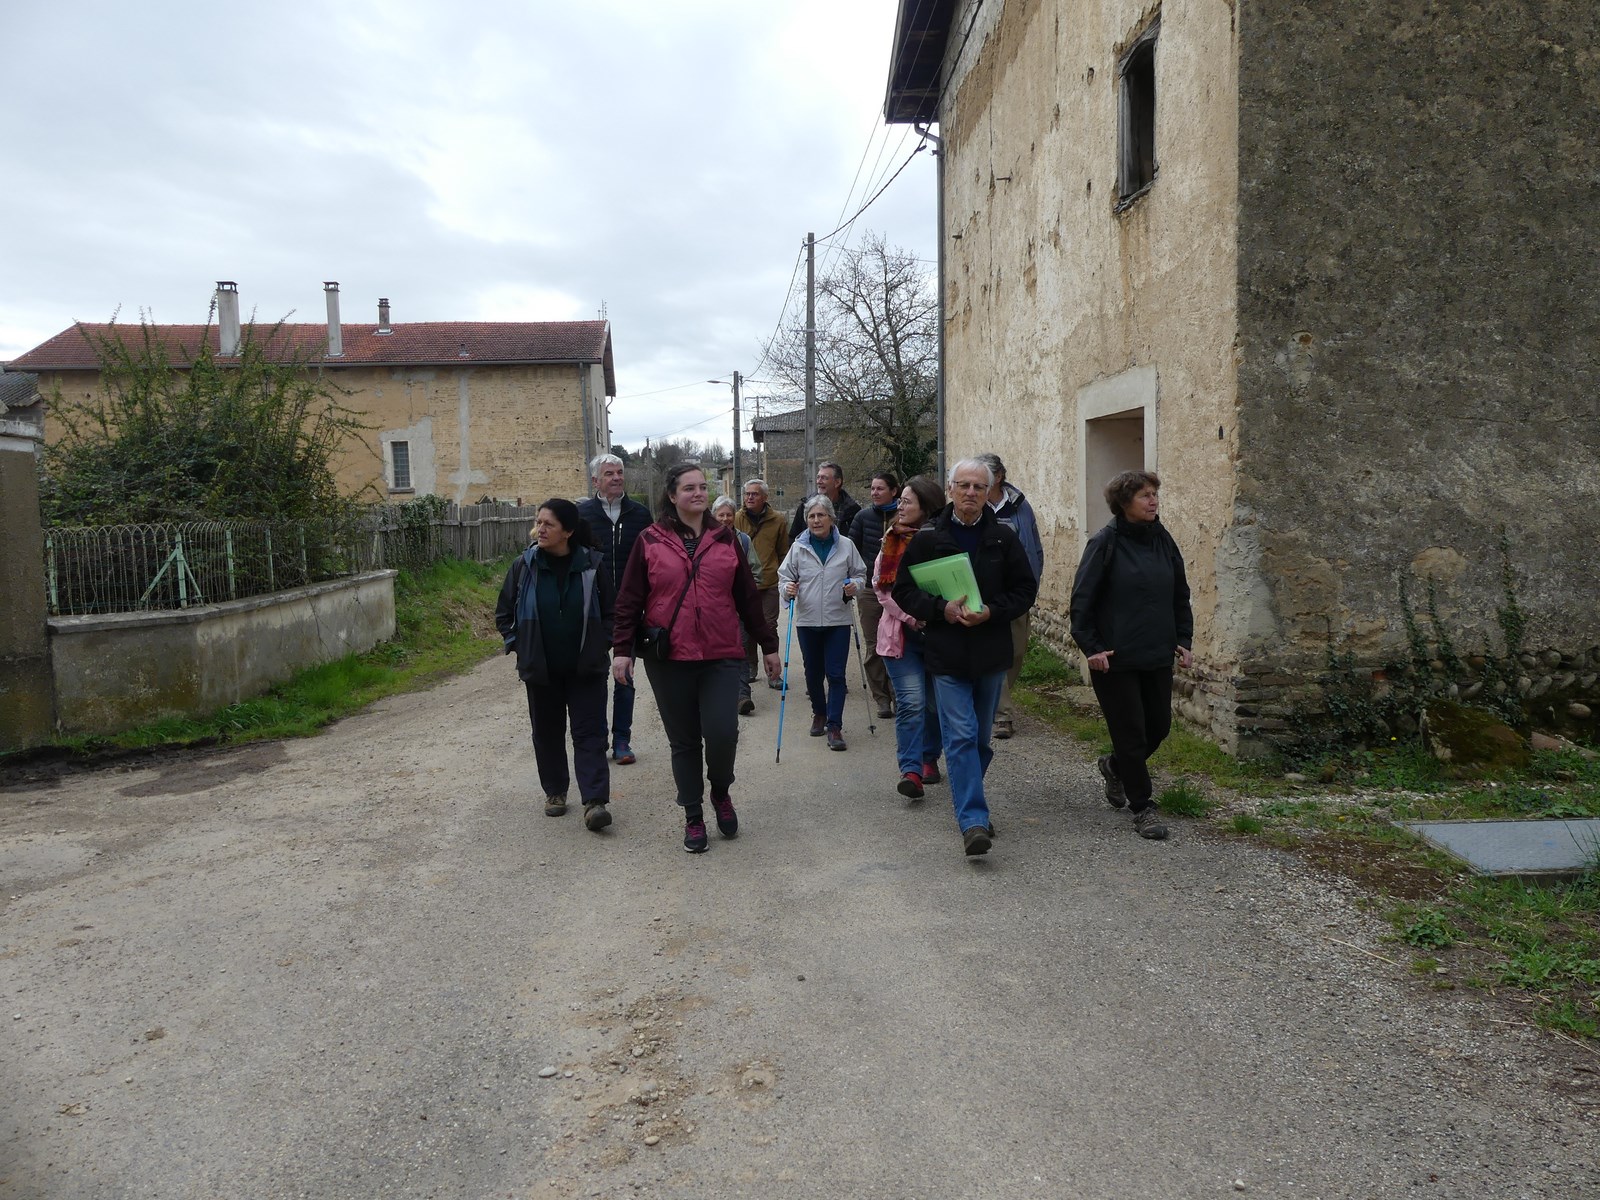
x: 1185, y: 657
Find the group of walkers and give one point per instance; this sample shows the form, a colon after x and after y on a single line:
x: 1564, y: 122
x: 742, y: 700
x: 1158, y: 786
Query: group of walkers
x: 694, y: 596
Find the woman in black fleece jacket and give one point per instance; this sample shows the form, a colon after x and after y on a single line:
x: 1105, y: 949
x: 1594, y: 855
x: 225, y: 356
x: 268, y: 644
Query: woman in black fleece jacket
x: 1131, y: 618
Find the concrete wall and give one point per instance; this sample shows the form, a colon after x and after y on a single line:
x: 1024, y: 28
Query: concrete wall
x: 1056, y: 302
x: 114, y: 672
x: 1419, y: 250
x: 501, y: 431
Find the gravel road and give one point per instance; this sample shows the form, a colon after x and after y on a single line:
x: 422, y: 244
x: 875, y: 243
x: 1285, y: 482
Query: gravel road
x: 346, y: 967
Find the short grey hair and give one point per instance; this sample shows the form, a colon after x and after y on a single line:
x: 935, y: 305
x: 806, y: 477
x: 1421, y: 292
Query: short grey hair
x: 963, y: 464
x: 822, y: 502
x: 723, y: 502
x: 603, y: 460
x: 992, y: 461
x: 760, y: 483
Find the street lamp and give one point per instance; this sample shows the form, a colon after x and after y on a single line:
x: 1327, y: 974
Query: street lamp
x: 738, y: 475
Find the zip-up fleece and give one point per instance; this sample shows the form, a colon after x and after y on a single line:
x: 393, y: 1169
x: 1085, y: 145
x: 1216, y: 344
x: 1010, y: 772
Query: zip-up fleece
x: 615, y: 538
x: 1005, y: 581
x: 1131, y: 596
x: 820, y: 602
x: 516, y: 615
x: 722, y: 594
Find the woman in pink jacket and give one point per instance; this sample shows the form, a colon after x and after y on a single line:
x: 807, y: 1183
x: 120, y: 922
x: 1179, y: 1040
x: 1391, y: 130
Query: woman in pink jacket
x: 688, y: 576
x: 916, y: 717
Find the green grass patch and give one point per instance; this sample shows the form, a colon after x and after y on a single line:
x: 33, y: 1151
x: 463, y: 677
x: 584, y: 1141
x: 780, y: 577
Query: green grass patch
x: 1184, y: 799
x: 444, y: 624
x: 1246, y: 824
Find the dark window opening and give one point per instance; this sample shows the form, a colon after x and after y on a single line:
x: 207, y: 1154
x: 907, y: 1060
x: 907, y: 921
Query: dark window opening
x: 400, y: 457
x: 1136, y: 118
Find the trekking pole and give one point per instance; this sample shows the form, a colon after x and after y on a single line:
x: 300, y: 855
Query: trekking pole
x: 783, y: 696
x: 862, y: 663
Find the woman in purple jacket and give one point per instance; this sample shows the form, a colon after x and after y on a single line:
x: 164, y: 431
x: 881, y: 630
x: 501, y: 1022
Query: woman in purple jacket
x: 688, y: 576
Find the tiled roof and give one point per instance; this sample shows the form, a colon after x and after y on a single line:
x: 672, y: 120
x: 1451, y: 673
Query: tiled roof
x: 425, y: 343
x: 17, y: 390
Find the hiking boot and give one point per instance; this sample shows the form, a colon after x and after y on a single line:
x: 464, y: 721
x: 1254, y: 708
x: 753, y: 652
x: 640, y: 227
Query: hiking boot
x: 976, y: 840
x: 1002, y: 728
x: 624, y: 754
x: 596, y: 817
x: 775, y: 684
x: 836, y: 739
x: 930, y: 774
x: 727, y: 819
x: 746, y: 707
x: 910, y: 786
x: 994, y: 834
x: 819, y: 724
x: 885, y: 711
x: 1115, y: 795
x: 1147, y: 823
x: 555, y: 806
x: 694, y: 837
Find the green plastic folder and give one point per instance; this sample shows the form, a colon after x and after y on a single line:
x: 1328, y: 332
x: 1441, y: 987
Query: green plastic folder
x: 951, y: 578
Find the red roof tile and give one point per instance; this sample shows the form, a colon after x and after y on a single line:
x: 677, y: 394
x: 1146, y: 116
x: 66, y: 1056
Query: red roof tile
x: 426, y: 343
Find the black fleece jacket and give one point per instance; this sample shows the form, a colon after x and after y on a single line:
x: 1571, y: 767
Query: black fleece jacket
x: 1005, y: 583
x: 1131, y: 596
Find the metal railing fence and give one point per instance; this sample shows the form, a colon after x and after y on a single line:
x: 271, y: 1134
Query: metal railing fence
x: 93, y: 570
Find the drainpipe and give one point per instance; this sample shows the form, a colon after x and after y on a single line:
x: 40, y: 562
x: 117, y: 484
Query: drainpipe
x: 588, y: 419
x: 335, y: 330
x: 938, y: 405
x: 228, y: 318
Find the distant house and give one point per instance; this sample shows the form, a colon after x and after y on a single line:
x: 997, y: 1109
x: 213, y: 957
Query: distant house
x: 504, y: 409
x: 19, y: 400
x: 1330, y: 268
x: 841, y: 438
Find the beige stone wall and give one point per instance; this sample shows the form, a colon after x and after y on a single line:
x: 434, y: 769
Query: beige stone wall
x: 1052, y: 298
x: 506, y: 432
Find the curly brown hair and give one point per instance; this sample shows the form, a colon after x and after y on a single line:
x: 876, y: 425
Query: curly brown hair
x: 1123, y: 488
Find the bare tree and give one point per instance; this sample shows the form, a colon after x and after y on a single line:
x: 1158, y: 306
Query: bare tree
x: 877, y: 360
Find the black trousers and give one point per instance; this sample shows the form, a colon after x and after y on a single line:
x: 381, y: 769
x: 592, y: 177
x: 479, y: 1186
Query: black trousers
x: 699, y: 707
x: 1138, y: 711
x: 549, y: 705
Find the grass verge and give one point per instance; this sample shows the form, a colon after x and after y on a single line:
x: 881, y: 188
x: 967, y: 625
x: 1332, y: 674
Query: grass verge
x: 444, y: 624
x: 1536, y: 945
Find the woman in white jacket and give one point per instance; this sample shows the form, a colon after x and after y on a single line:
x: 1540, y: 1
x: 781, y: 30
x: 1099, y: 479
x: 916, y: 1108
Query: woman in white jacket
x: 820, y: 576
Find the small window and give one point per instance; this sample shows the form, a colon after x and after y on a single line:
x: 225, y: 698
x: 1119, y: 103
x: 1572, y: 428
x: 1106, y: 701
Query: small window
x: 1136, y: 117
x: 400, y: 458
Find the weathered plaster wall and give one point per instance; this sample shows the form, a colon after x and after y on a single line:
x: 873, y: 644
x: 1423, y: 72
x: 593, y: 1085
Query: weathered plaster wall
x: 27, y: 702
x: 1049, y: 291
x: 1419, y: 250
x: 117, y: 671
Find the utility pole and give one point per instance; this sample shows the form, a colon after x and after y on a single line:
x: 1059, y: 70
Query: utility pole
x: 811, y: 362
x: 738, y: 474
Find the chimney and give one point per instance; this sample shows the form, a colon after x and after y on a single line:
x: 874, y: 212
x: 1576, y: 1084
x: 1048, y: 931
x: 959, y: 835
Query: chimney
x: 335, y: 332
x: 383, y: 315
x: 228, y: 318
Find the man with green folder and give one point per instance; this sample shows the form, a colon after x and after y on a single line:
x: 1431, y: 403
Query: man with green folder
x: 968, y: 607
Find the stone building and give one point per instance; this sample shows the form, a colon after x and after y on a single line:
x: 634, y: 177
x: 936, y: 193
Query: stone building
x: 458, y: 409
x: 1331, y: 269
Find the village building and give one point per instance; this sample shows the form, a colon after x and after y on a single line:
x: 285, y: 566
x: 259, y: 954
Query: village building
x: 464, y: 410
x: 1330, y: 269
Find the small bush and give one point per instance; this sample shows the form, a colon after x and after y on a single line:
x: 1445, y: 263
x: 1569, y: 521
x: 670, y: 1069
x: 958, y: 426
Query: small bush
x: 1184, y: 799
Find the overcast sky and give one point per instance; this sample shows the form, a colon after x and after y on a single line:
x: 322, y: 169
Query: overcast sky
x: 496, y: 161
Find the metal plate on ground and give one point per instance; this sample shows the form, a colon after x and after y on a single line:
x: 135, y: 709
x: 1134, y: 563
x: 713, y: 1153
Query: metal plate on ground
x: 1562, y: 846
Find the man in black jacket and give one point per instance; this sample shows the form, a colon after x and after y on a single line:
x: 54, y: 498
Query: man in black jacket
x: 830, y: 483
x: 615, y: 521
x: 866, y: 531
x: 968, y: 652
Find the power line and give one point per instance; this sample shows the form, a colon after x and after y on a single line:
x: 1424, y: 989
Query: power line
x: 676, y: 388
x: 921, y: 146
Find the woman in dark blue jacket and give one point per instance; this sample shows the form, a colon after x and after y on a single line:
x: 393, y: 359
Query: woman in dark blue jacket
x: 1131, y: 618
x: 554, y: 613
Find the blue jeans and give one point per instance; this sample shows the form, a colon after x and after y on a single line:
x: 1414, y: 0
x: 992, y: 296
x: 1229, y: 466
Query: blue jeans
x: 966, y: 717
x: 621, y: 714
x: 825, y: 650
x: 916, y: 721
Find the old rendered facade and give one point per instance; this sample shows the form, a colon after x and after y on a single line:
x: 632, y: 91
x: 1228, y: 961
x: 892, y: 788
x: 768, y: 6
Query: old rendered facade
x: 462, y: 410
x: 1329, y: 269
